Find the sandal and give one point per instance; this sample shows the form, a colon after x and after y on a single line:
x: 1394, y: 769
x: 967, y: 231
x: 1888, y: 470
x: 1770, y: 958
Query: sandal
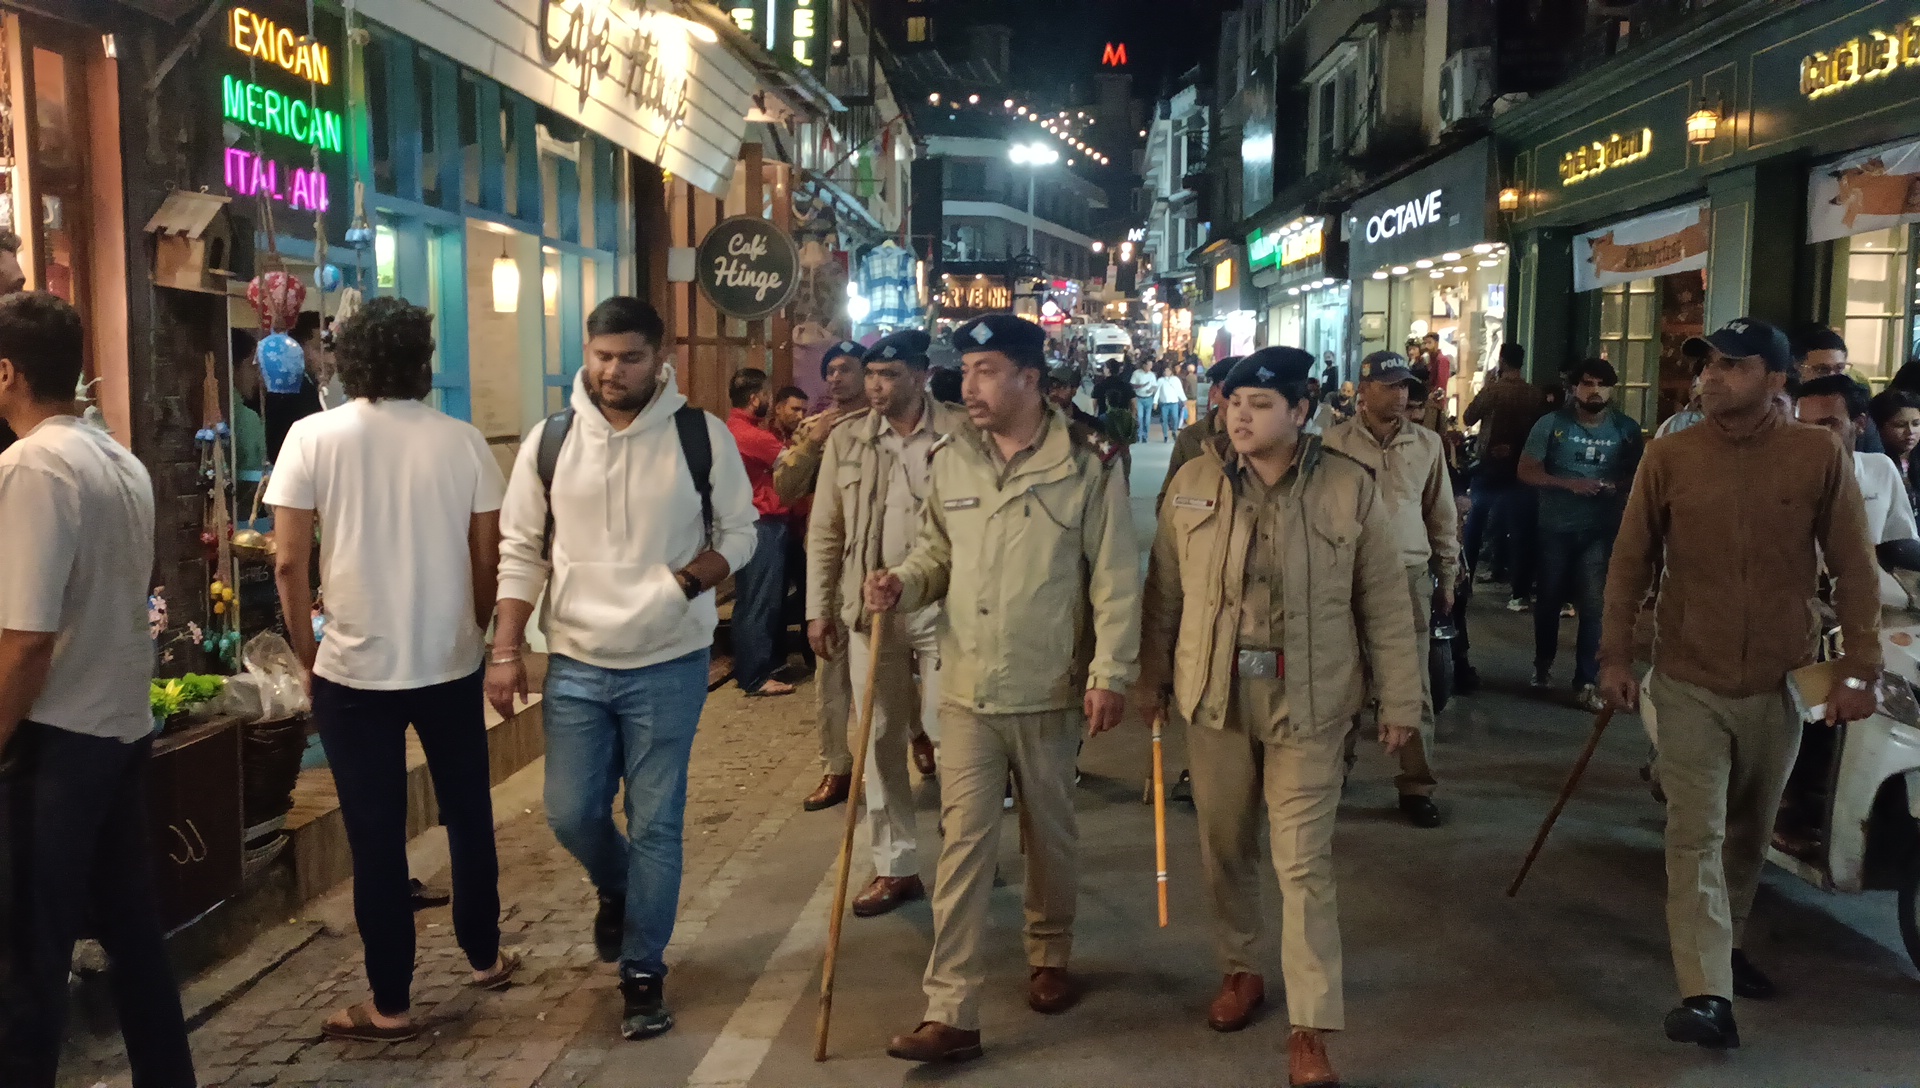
x: 360, y: 1027
x: 501, y: 976
x: 771, y: 689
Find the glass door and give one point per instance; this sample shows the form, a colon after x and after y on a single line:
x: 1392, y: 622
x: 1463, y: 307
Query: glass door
x: 1869, y: 307
x: 1628, y: 339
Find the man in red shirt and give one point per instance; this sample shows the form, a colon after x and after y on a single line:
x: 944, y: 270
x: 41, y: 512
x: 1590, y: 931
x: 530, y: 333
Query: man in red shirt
x: 1439, y: 366
x: 758, y: 628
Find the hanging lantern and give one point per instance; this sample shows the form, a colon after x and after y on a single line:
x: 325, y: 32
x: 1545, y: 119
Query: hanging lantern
x: 1703, y: 125
x: 276, y: 297
x: 1509, y: 199
x: 506, y: 283
x: 282, y: 363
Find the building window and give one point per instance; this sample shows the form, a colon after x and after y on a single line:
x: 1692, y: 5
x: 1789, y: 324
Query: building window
x: 1628, y: 340
x: 1335, y: 90
x: 1872, y: 272
x: 916, y: 28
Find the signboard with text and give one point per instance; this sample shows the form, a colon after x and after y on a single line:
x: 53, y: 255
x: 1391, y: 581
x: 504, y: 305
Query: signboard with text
x: 747, y: 268
x: 1660, y: 244
x: 1443, y: 207
x: 963, y: 298
x: 282, y: 100
x: 1867, y: 190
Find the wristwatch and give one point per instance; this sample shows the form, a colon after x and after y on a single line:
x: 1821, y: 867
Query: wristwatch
x: 1856, y: 683
x: 688, y: 583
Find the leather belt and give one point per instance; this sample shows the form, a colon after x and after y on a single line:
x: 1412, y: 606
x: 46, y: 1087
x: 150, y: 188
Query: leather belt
x: 1260, y: 664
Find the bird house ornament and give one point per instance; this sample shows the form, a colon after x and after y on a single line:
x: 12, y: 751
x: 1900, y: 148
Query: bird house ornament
x: 193, y: 242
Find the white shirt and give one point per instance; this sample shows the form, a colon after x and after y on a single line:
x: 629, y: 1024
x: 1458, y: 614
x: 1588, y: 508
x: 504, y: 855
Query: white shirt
x: 396, y: 484
x: 76, y: 534
x: 1143, y: 383
x: 1169, y: 389
x: 1889, y: 514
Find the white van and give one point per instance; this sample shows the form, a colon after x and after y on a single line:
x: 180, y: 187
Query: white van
x: 1107, y: 343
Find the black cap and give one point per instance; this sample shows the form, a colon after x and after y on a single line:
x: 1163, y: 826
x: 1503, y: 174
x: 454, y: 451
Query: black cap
x: 1817, y: 338
x: 1064, y: 375
x: 1022, y: 341
x: 1743, y: 337
x: 844, y: 347
x: 1385, y: 366
x: 1218, y: 372
x: 1269, y: 368
x: 907, y: 346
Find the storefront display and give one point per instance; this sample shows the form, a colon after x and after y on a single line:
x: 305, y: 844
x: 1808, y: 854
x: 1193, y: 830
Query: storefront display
x: 1303, y: 272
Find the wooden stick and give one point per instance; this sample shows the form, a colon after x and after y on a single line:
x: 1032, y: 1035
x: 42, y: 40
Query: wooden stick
x: 875, y: 643
x: 1159, y: 820
x: 1600, y: 723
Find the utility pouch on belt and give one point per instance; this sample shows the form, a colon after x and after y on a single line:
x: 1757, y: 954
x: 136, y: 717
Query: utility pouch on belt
x: 1260, y: 664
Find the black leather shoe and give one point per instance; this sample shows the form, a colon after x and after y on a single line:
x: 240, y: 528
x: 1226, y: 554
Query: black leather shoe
x: 1419, y: 811
x: 609, y: 926
x: 1749, y: 981
x: 1704, y: 1021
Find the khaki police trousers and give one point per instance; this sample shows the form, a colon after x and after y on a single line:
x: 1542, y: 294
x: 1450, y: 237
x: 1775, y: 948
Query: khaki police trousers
x: 1257, y: 758
x: 836, y: 707
x: 1723, y: 763
x: 976, y: 752
x: 1416, y: 773
x: 900, y: 704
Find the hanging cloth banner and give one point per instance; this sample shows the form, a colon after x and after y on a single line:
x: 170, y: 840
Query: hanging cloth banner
x: 1867, y: 190
x: 1652, y: 245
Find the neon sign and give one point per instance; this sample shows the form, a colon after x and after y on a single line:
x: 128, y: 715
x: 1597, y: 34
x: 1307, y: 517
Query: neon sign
x: 301, y: 189
x: 1114, y: 56
x: 1870, y: 56
x: 284, y: 114
x: 802, y: 30
x: 1601, y: 156
x: 259, y: 36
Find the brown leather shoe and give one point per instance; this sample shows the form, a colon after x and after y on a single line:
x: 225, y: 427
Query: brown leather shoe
x: 886, y: 893
x: 933, y: 1041
x: 1307, y: 1064
x: 1050, y: 990
x: 922, y: 748
x: 832, y: 790
x: 1240, y: 994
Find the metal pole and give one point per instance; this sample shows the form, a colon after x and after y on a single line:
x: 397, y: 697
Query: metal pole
x: 1032, y: 171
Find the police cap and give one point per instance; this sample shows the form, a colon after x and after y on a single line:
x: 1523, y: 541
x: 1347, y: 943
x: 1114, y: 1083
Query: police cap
x: 907, y: 346
x: 1269, y: 368
x: 1218, y: 372
x: 844, y: 347
x: 1020, y: 340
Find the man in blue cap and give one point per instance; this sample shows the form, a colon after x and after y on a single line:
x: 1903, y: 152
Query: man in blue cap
x: 1028, y: 538
x: 1275, y: 574
x: 1736, y: 515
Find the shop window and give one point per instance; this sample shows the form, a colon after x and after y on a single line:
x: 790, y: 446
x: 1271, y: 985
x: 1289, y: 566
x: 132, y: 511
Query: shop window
x: 1628, y: 341
x: 1872, y: 311
x: 916, y: 28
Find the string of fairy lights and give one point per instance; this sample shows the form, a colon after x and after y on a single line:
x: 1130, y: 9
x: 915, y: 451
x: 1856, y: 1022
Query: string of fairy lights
x: 1069, y: 127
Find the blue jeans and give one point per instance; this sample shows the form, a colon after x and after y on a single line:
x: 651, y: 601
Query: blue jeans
x: 1171, y: 416
x: 1143, y: 411
x: 1500, y: 523
x: 759, y: 617
x: 1572, y: 567
x: 606, y: 726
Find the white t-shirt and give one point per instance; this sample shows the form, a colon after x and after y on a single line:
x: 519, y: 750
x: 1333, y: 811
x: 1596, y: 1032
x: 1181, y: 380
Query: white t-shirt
x: 396, y: 485
x: 1889, y: 514
x: 76, y: 550
x: 1170, y: 390
x: 1143, y: 383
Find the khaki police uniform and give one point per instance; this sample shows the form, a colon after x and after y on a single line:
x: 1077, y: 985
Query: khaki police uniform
x: 1036, y: 560
x: 1410, y: 471
x: 794, y: 477
x: 866, y: 516
x: 1308, y: 568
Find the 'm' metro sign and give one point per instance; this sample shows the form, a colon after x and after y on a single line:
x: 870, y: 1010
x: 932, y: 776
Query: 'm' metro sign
x: 1114, y: 56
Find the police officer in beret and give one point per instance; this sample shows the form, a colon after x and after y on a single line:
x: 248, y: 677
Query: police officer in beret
x: 1028, y: 538
x: 1187, y: 444
x: 874, y: 480
x: 794, y: 476
x: 1292, y: 541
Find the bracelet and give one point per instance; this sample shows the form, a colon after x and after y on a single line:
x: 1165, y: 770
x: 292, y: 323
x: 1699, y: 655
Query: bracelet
x: 517, y: 651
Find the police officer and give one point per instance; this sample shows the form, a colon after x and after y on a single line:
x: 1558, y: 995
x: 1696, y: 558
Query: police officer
x: 1028, y: 538
x: 1187, y: 444
x: 874, y: 478
x: 1409, y: 465
x: 1269, y: 677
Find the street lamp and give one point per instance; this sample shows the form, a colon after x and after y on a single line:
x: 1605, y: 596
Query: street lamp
x: 1033, y: 156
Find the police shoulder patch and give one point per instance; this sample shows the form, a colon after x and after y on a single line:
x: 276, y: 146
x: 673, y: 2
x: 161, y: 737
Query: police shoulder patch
x: 1096, y: 442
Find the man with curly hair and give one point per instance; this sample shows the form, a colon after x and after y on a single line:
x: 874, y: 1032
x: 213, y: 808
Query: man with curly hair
x: 410, y: 499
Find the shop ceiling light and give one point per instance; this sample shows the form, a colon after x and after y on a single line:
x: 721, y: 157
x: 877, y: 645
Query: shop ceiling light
x: 1489, y: 264
x: 1703, y: 125
x: 1437, y: 274
x: 1293, y: 290
x: 1483, y: 247
x: 1509, y: 199
x: 1459, y: 268
x: 1399, y: 269
x: 506, y: 283
x: 1381, y: 275
x: 1423, y: 263
x: 1449, y: 256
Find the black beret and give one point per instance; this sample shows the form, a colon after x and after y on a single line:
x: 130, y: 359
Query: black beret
x: 1020, y: 340
x: 907, y: 346
x: 1218, y: 372
x: 844, y: 347
x: 1269, y: 368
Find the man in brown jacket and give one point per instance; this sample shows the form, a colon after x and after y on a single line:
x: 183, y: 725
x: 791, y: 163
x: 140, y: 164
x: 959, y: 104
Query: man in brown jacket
x: 1739, y: 509
x: 1274, y: 564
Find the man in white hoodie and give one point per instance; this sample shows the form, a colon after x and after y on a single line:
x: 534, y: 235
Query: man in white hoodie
x: 627, y: 549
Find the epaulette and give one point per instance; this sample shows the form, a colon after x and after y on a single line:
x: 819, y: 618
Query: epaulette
x: 1102, y: 447
x: 1321, y: 449
x: 939, y: 444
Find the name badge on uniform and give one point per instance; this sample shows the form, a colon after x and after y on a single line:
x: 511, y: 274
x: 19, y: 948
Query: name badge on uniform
x: 1192, y: 503
x: 960, y: 504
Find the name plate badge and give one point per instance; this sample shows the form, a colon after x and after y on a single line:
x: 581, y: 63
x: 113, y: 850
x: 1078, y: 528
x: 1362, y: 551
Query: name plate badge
x: 960, y: 504
x: 1192, y: 503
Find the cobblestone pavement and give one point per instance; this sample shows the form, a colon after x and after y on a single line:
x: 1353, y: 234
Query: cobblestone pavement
x: 752, y: 760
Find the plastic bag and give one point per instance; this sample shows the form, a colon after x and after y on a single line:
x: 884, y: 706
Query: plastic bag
x: 276, y: 671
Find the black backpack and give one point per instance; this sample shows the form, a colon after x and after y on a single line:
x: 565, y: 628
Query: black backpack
x: 696, y: 444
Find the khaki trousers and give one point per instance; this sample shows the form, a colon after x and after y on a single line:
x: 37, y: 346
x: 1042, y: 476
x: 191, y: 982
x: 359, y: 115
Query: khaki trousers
x: 1258, y: 757
x: 1416, y: 773
x: 1723, y: 763
x: 976, y: 752
x: 899, y: 704
x: 836, y: 707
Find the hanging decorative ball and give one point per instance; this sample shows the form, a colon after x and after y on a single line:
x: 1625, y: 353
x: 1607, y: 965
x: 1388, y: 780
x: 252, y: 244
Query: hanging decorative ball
x: 359, y: 236
x: 219, y: 608
x: 220, y: 429
x: 276, y: 297
x: 204, y: 434
x: 282, y: 362
x: 209, y: 646
x: 328, y: 277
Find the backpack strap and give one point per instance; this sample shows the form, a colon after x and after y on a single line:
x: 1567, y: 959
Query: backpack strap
x: 553, y: 435
x: 696, y: 443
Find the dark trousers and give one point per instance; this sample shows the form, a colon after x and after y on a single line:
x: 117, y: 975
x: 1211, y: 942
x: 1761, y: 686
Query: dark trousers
x: 1502, y: 523
x: 759, y: 623
x: 1462, y: 597
x: 77, y: 830
x: 1573, y: 569
x: 365, y: 735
